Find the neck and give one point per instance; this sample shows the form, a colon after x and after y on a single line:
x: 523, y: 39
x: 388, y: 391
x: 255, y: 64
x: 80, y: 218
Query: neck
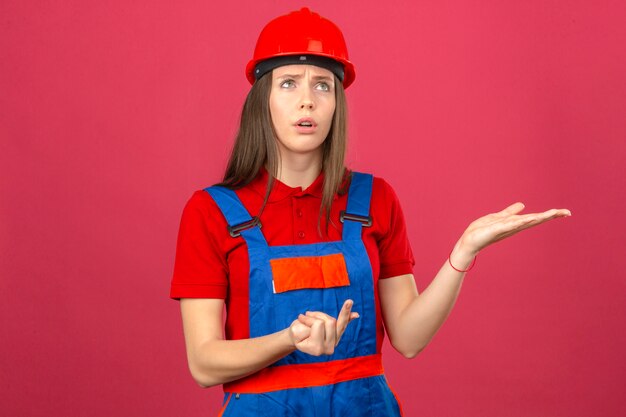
x: 299, y: 170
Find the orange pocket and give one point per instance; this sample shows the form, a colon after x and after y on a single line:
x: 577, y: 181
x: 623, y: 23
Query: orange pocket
x: 309, y: 272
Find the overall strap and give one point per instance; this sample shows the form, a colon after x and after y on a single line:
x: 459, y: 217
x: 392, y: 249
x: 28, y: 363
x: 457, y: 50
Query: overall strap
x: 357, y: 213
x: 239, y: 220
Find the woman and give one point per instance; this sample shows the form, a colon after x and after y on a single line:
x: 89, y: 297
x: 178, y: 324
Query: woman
x: 309, y: 257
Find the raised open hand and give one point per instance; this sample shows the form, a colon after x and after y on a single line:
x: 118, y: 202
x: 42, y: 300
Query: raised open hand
x: 497, y: 226
x: 317, y: 333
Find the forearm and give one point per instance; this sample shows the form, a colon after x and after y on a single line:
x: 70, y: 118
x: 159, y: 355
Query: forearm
x: 214, y: 361
x: 413, y: 321
x: 218, y: 361
x: 425, y: 314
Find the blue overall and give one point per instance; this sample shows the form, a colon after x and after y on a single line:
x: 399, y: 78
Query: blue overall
x: 270, y: 312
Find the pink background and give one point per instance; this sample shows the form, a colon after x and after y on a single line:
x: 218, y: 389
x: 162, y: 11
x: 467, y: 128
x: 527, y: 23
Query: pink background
x: 112, y: 113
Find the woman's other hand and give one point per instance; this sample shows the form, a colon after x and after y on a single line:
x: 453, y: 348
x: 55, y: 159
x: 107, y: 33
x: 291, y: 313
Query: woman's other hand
x: 317, y: 333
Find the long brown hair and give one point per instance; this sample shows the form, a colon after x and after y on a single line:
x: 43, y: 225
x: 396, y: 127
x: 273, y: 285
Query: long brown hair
x: 256, y: 145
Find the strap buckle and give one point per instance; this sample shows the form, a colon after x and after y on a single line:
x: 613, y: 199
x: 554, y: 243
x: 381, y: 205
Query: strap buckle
x: 365, y: 220
x: 235, y: 231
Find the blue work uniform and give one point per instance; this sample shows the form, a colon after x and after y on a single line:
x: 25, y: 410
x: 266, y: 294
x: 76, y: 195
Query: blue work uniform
x: 348, y: 383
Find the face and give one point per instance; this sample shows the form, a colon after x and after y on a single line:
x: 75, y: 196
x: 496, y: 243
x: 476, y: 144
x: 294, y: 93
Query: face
x: 302, y: 105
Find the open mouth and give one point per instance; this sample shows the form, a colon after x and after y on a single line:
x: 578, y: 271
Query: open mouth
x: 306, y: 122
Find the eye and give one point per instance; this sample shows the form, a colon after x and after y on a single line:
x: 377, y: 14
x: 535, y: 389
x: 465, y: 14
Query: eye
x: 323, y: 86
x: 287, y: 84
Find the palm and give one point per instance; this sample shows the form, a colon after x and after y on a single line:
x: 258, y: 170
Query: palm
x: 497, y: 226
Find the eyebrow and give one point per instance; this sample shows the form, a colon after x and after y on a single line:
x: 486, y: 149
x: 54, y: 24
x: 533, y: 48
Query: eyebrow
x: 298, y: 76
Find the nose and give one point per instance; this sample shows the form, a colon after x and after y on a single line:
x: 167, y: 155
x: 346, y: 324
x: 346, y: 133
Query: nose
x: 306, y: 101
x: 306, y: 105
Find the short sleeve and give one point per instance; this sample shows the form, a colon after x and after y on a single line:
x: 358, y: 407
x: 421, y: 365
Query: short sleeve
x: 200, y: 267
x: 396, y: 255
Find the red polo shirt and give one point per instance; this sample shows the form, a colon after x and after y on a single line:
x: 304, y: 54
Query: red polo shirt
x: 212, y: 264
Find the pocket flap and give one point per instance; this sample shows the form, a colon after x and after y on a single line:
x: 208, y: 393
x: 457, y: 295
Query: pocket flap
x: 309, y: 272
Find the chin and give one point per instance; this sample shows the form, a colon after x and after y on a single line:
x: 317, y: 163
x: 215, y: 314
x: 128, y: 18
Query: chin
x: 303, y: 148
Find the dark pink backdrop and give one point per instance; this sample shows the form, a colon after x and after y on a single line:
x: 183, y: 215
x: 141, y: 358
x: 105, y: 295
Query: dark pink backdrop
x: 112, y: 113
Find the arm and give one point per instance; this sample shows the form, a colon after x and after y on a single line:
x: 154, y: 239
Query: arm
x: 213, y: 360
x: 412, y: 320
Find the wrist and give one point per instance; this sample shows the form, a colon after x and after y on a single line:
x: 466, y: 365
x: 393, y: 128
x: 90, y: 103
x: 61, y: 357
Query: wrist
x: 465, y: 250
x: 462, y: 258
x: 287, y: 340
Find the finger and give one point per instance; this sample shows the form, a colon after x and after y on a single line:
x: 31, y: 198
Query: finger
x: 319, y: 315
x: 330, y: 329
x: 316, y: 339
x: 330, y: 336
x: 307, y: 320
x: 342, y: 329
x: 300, y: 331
x: 518, y: 223
x: 512, y: 209
x: 534, y: 219
x: 344, y: 315
x: 343, y: 321
x: 548, y: 214
x: 562, y: 213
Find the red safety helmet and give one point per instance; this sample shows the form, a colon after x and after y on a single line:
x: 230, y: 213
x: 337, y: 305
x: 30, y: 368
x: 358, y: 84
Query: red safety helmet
x: 301, y: 33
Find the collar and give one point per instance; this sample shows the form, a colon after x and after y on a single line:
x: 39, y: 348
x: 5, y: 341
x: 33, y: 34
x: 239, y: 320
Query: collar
x: 281, y: 190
